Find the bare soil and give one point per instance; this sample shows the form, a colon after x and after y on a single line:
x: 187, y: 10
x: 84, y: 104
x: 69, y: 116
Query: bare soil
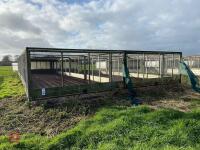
x: 51, y: 117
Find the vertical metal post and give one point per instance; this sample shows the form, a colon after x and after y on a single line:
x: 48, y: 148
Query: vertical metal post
x: 40, y: 65
x: 147, y: 63
x: 78, y: 65
x: 173, y: 65
x: 99, y: 68
x: 81, y: 65
x: 118, y: 66
x: 64, y: 65
x: 199, y: 63
x: 36, y: 64
x: 190, y: 62
x: 110, y: 67
x: 85, y: 73
x: 70, y: 65
x: 28, y: 74
x: 138, y: 65
x: 159, y: 67
x: 107, y: 65
x: 133, y: 65
x: 92, y: 69
x: 89, y: 67
x: 50, y: 65
x: 180, y: 79
x: 163, y: 65
x: 124, y: 64
x: 62, y: 79
x: 143, y: 69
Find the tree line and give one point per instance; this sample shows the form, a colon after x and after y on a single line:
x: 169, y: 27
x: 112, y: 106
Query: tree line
x: 7, y: 60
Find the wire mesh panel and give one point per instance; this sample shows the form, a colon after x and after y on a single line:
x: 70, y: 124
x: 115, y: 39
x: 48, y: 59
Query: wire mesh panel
x: 144, y: 66
x: 194, y: 63
x: 101, y: 70
x: 22, y: 71
x: 117, y: 67
x: 57, y: 72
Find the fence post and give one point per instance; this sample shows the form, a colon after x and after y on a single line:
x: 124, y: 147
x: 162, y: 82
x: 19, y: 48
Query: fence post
x: 99, y: 68
x: 138, y: 66
x: 162, y: 65
x: 143, y: 69
x: 110, y: 67
x: 84, y: 63
x: 119, y: 66
x: 159, y: 66
x: 62, y: 79
x: 147, y: 63
x: 199, y: 63
x: 88, y: 67
x: 70, y: 66
x: 173, y: 65
x: 92, y: 69
x: 180, y: 79
x: 124, y: 64
x: 78, y: 63
x: 28, y: 73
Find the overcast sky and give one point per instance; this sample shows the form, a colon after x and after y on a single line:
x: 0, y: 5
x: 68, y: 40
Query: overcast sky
x: 100, y: 24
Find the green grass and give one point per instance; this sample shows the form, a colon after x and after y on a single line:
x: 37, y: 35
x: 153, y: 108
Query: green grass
x: 110, y: 128
x: 6, y: 71
x: 123, y: 128
x: 10, y: 84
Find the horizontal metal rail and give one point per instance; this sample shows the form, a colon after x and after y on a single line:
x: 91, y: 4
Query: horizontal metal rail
x: 37, y: 49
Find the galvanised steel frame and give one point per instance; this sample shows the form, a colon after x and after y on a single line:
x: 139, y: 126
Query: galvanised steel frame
x: 34, y: 53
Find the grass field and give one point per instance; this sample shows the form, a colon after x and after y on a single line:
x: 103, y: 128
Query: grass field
x: 6, y: 71
x: 10, y: 84
x: 169, y: 120
x: 123, y: 128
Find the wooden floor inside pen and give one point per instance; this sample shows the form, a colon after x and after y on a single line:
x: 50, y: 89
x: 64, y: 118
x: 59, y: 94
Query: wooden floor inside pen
x: 54, y: 80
